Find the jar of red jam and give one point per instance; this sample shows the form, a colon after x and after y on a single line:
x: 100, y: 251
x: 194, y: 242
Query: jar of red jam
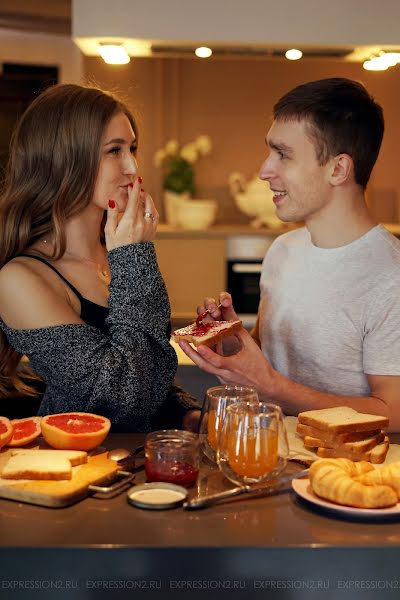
x: 172, y: 456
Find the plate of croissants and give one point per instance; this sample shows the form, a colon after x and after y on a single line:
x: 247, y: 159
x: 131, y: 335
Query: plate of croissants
x: 352, y: 488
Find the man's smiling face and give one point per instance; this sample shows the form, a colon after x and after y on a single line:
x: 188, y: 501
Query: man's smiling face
x: 300, y: 183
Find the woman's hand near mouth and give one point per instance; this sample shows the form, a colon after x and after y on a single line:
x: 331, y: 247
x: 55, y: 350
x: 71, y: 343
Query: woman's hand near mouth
x: 138, y: 222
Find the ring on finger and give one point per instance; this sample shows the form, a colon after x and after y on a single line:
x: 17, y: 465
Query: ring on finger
x: 148, y: 215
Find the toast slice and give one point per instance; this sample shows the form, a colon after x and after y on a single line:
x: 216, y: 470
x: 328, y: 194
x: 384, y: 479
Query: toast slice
x: 376, y: 456
x: 334, y: 439
x: 21, y: 466
x: 357, y: 446
x: 342, y: 419
x: 75, y: 457
x: 208, y: 333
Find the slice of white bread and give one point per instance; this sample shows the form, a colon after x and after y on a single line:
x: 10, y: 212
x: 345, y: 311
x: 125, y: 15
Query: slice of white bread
x: 357, y: 446
x: 75, y: 457
x: 334, y: 439
x: 21, y: 466
x: 209, y: 333
x: 376, y: 456
x: 342, y: 419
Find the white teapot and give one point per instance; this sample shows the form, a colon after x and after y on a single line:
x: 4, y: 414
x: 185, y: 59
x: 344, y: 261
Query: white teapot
x: 255, y: 200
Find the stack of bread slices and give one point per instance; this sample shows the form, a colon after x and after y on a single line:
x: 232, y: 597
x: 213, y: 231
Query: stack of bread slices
x: 342, y: 432
x: 25, y: 463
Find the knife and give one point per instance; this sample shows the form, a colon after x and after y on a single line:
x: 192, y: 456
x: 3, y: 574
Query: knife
x: 246, y: 490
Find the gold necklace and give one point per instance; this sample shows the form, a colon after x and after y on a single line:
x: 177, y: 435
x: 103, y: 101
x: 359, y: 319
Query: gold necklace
x: 103, y: 273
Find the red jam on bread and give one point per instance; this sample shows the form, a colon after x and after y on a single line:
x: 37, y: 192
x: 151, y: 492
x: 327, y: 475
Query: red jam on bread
x: 209, y: 333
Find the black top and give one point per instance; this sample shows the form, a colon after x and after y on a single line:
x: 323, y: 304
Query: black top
x: 126, y: 374
x: 91, y: 313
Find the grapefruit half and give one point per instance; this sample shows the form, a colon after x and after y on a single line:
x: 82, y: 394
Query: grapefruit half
x: 6, y: 431
x: 75, y: 430
x: 24, y: 431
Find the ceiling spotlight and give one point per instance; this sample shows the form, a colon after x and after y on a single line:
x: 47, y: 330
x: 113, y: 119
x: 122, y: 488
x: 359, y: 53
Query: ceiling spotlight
x: 203, y: 52
x: 391, y: 58
x: 293, y: 54
x: 376, y: 63
x: 114, y: 54
x: 382, y: 61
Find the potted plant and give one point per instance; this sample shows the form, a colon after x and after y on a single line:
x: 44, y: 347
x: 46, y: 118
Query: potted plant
x: 179, y: 180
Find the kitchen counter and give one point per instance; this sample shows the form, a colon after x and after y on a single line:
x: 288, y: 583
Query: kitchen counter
x: 393, y: 228
x: 165, y: 231
x: 275, y: 542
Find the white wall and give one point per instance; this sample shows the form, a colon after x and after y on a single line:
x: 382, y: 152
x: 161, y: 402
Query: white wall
x: 307, y: 22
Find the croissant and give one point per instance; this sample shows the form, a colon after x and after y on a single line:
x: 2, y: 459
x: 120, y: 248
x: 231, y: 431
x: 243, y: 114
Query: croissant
x: 387, y: 475
x: 335, y: 479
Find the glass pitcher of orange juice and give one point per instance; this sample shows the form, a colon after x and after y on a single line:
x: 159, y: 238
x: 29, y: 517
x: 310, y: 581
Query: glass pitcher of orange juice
x: 216, y: 400
x: 252, y: 444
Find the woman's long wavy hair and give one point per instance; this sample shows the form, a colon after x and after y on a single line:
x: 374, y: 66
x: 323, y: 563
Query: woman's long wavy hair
x: 50, y: 177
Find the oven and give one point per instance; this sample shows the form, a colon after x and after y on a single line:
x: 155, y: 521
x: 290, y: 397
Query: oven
x: 245, y: 255
x: 243, y: 278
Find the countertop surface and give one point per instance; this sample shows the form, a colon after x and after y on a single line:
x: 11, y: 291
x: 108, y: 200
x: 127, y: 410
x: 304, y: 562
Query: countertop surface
x: 282, y: 520
x: 182, y: 358
x: 245, y: 546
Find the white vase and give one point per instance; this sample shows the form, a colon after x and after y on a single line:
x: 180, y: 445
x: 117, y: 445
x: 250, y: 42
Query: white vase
x: 172, y: 202
x: 197, y: 213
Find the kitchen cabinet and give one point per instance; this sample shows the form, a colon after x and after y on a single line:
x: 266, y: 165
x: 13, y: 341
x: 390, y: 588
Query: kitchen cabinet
x: 192, y: 269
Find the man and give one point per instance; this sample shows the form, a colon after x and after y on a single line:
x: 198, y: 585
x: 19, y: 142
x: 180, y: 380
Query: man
x: 328, y: 328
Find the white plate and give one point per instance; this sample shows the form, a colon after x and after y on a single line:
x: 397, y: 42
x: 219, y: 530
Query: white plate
x: 302, y: 487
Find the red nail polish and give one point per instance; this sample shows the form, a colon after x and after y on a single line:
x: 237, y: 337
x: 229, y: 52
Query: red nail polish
x: 140, y: 179
x: 111, y: 203
x: 142, y: 189
x: 130, y: 185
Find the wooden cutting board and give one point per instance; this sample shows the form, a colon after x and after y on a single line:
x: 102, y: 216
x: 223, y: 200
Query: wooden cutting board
x: 57, y: 494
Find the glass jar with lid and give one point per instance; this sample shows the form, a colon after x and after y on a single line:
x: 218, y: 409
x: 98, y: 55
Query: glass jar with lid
x: 172, y: 456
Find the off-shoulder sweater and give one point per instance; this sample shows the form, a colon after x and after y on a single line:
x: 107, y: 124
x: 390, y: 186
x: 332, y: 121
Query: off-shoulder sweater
x: 127, y: 375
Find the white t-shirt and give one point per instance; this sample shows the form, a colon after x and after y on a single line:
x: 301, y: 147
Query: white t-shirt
x: 330, y: 316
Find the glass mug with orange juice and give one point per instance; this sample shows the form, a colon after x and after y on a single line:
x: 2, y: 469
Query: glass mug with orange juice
x: 216, y: 400
x: 252, y: 444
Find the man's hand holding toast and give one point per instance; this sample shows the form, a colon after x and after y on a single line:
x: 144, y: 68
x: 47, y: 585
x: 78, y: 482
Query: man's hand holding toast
x: 237, y: 360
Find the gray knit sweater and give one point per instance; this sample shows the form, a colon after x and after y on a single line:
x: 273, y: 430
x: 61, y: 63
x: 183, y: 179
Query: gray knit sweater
x: 127, y: 375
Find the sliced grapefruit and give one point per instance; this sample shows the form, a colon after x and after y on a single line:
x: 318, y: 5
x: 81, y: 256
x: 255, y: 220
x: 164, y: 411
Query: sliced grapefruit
x: 75, y: 430
x: 6, y: 431
x: 24, y: 431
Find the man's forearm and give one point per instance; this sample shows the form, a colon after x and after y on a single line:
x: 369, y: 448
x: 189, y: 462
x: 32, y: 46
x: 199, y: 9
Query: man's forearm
x: 294, y: 398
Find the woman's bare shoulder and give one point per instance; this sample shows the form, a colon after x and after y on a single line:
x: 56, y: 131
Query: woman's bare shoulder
x: 28, y: 299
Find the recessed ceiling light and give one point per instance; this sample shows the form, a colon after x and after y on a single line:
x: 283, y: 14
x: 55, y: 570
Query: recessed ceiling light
x: 370, y: 65
x: 203, y: 52
x: 382, y: 62
x: 114, y: 54
x: 293, y: 54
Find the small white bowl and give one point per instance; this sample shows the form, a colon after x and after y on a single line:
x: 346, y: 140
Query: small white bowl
x: 197, y: 214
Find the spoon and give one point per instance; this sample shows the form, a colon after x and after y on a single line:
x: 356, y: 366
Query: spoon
x: 118, y: 454
x: 124, y: 458
x: 201, y: 316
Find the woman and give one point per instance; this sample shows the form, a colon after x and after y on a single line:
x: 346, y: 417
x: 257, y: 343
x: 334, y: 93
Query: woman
x: 91, y: 317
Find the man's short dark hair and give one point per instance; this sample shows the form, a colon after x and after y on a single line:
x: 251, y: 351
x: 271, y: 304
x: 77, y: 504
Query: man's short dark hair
x: 341, y: 117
